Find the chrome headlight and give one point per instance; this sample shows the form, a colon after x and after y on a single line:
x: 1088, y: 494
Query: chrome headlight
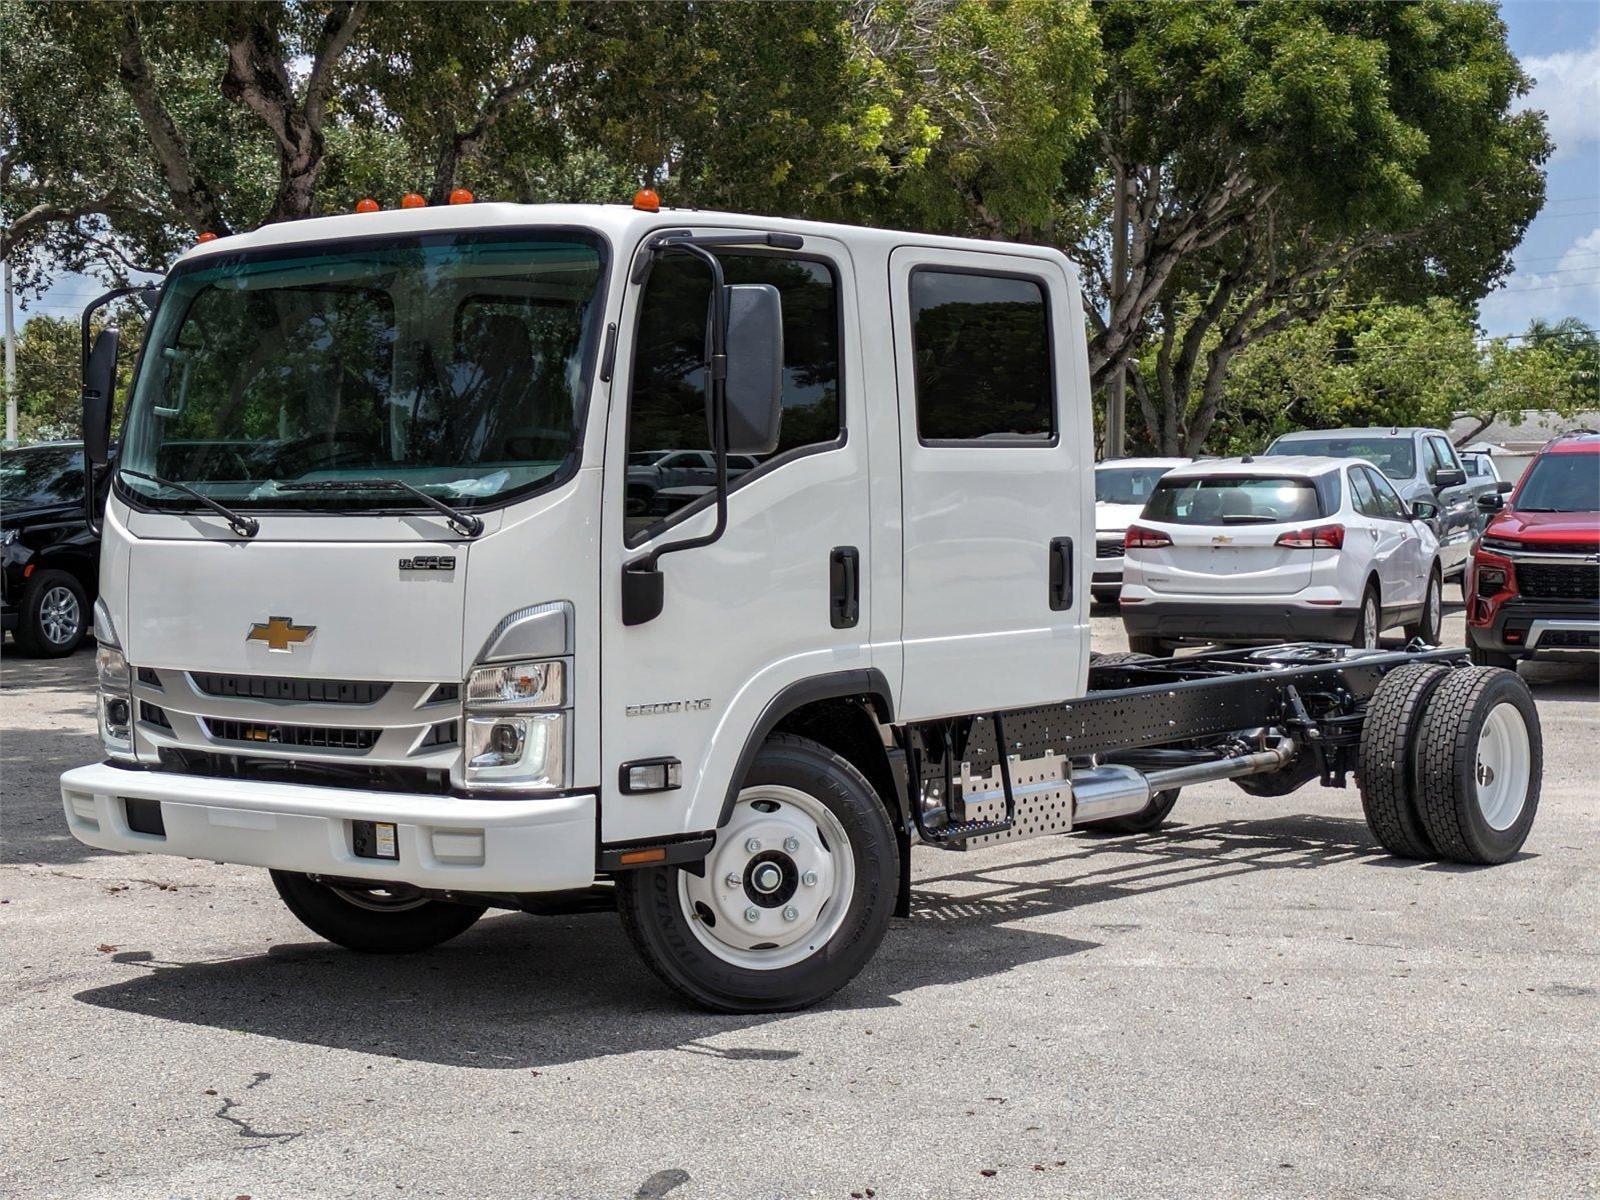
x: 116, y: 701
x: 516, y: 723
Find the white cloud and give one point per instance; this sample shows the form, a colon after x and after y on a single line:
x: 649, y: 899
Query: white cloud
x: 1572, y: 288
x: 1567, y: 87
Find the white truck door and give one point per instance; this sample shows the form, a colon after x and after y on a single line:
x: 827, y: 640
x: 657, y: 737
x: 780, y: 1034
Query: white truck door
x: 752, y: 613
x: 997, y: 489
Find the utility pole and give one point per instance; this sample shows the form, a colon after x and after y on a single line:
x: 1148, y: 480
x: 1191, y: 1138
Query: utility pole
x: 1116, y: 388
x: 11, y: 360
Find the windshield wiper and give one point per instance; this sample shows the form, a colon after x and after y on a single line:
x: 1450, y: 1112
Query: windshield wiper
x: 242, y: 525
x: 467, y: 523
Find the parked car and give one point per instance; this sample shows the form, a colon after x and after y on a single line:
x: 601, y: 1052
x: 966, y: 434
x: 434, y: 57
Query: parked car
x: 1534, y: 585
x: 1479, y: 466
x: 1121, y: 486
x: 649, y: 471
x: 1254, y: 550
x: 51, y: 560
x: 1422, y: 465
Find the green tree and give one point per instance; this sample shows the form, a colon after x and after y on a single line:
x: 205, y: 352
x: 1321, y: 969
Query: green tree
x: 49, y: 381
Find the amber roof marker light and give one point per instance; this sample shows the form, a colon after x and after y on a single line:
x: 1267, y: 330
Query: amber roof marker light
x: 413, y: 200
x: 460, y: 196
x: 646, y: 200
x: 367, y: 205
x: 205, y: 237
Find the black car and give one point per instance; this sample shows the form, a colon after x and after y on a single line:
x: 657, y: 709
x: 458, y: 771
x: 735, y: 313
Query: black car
x: 51, y: 559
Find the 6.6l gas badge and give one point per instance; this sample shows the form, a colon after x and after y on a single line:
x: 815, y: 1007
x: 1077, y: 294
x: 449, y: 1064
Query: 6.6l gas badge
x: 429, y: 562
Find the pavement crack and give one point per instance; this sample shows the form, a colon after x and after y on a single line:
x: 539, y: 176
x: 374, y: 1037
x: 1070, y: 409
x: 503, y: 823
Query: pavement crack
x: 245, y: 1128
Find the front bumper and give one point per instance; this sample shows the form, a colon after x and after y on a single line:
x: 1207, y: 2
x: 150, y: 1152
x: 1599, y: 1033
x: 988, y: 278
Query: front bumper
x: 1528, y: 629
x: 445, y: 842
x: 1237, y: 620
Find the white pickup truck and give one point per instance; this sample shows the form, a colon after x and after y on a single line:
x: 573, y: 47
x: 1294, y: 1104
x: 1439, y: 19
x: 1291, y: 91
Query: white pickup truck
x: 376, y: 613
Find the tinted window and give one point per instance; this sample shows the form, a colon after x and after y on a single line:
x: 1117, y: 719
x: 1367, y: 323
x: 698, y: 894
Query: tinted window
x: 41, y: 475
x: 1441, y: 453
x: 1235, y: 500
x: 1561, y: 483
x: 982, y: 357
x: 1365, y: 500
x: 667, y: 401
x: 1126, y: 485
x: 1396, y: 457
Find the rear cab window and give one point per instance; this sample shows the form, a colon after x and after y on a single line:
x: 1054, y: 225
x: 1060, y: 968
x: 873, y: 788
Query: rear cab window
x: 1395, y: 456
x: 1240, y: 500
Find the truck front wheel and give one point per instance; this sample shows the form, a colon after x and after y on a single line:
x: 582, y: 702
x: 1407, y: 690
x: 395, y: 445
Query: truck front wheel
x: 375, y: 918
x: 791, y: 902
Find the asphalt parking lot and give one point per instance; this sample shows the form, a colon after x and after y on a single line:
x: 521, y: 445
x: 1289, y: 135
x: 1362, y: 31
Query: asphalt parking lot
x: 1252, y: 1002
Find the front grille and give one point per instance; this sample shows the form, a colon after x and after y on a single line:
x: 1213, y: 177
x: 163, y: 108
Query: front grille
x: 152, y: 714
x: 1109, y: 549
x: 319, y: 737
x: 149, y: 678
x: 1559, y: 581
x: 305, y: 691
x: 314, y: 772
x: 445, y: 733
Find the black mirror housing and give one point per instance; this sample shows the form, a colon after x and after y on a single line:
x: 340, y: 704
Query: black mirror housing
x: 1449, y: 477
x: 99, y: 383
x: 1505, y: 487
x: 754, y: 384
x: 1492, y: 503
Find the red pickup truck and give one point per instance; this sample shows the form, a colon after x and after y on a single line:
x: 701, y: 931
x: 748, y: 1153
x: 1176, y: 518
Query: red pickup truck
x: 1533, y: 586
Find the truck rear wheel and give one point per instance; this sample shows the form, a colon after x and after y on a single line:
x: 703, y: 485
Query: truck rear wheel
x: 375, y: 918
x: 1480, y: 756
x: 791, y: 902
x: 1386, y: 764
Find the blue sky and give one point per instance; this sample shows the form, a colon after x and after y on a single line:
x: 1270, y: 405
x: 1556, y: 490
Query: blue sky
x: 1558, y: 264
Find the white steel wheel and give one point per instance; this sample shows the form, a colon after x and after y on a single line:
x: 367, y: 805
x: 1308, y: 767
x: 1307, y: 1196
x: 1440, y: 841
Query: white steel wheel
x: 1501, y: 773
x: 777, y: 883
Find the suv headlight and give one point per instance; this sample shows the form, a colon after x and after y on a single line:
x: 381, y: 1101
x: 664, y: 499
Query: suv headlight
x: 516, y: 724
x: 116, y: 701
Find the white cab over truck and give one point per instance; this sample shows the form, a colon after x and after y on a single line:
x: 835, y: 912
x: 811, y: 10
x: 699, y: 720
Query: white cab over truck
x: 379, y: 611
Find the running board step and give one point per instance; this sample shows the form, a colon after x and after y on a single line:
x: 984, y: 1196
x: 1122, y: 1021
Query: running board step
x: 955, y: 832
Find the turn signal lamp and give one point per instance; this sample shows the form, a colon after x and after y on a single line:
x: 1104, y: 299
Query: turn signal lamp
x: 646, y: 200
x: 460, y: 196
x: 367, y: 205
x: 205, y: 237
x: 413, y: 200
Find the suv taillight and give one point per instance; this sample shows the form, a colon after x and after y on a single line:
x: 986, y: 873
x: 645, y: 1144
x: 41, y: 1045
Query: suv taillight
x: 1319, y: 537
x: 1140, y: 538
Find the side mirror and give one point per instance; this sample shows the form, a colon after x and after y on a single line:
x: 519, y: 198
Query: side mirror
x: 1505, y: 487
x: 1424, y: 510
x: 754, y: 386
x: 1449, y: 477
x: 99, y: 382
x: 1493, y: 502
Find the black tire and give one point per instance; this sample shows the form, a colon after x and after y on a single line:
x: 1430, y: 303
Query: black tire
x: 1386, y: 763
x: 1429, y: 625
x: 1149, y: 647
x: 1152, y: 816
x: 1451, y: 758
x: 1280, y: 783
x: 1366, y: 634
x: 1483, y: 657
x: 52, y: 615
x: 649, y: 899
x: 374, y: 919
x: 1106, y: 596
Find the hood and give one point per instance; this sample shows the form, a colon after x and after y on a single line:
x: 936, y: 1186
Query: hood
x: 1115, y: 518
x: 1543, y: 528
x: 18, y: 515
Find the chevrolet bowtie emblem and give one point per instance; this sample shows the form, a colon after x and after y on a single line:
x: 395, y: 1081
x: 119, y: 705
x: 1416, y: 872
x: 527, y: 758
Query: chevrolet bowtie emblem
x: 280, y: 633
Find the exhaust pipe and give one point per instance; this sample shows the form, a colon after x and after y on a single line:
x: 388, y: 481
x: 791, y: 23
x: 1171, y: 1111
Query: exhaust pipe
x: 1115, y: 790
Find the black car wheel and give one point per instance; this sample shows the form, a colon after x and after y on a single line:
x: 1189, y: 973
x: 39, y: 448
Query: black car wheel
x: 53, y: 615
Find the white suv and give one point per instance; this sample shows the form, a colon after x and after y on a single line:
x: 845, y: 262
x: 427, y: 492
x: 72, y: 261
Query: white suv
x: 1121, y: 486
x: 1273, y: 549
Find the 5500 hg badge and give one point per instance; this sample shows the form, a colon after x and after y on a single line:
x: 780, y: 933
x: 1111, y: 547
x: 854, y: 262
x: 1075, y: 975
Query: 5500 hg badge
x: 670, y: 706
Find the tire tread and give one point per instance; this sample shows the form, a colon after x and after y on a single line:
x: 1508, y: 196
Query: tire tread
x: 1387, y: 758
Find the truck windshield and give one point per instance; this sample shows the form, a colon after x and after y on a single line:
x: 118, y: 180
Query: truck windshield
x: 1396, y: 457
x: 1126, y: 485
x: 1561, y: 483
x: 455, y: 363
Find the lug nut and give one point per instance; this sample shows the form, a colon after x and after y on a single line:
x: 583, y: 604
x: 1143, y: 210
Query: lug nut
x: 791, y: 913
x: 791, y: 844
x: 752, y: 846
x: 731, y: 879
x: 752, y: 915
x: 809, y: 879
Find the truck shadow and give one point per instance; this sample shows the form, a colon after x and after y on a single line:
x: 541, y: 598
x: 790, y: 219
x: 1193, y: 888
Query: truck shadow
x: 517, y: 992
x: 72, y: 673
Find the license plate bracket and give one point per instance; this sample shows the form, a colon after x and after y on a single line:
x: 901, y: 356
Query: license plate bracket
x: 375, y: 839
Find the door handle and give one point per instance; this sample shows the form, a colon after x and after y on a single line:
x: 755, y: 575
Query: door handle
x: 1060, y: 574
x: 844, y: 587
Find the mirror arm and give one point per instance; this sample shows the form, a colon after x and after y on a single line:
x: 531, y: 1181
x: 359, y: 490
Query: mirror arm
x: 89, y: 507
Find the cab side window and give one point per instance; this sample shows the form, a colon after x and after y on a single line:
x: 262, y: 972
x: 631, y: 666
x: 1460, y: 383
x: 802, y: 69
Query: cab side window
x: 1386, y: 500
x: 667, y: 431
x: 1441, y: 453
x: 981, y: 346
